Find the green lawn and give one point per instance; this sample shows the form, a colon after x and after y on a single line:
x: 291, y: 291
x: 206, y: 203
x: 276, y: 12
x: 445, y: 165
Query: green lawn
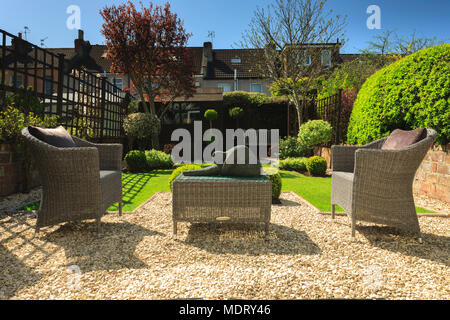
x: 315, y: 190
x: 138, y: 187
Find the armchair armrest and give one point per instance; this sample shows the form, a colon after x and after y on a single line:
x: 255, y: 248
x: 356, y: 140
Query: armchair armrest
x: 110, y: 155
x: 343, y: 157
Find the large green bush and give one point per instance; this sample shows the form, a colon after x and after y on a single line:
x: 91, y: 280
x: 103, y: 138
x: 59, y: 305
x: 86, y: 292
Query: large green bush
x: 316, y: 166
x: 314, y: 133
x: 411, y: 93
x: 179, y: 170
x: 158, y: 160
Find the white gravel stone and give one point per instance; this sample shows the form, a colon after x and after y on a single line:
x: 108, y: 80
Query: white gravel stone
x: 308, y: 256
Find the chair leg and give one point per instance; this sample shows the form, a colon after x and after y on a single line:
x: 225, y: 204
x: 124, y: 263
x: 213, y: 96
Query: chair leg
x: 99, y: 226
x: 175, y: 228
x: 353, y: 229
x: 419, y: 238
x: 36, y: 231
x: 333, y: 210
x: 267, y: 231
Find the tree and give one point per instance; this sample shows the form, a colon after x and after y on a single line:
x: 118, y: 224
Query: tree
x: 149, y: 46
x: 291, y: 31
x: 389, y: 43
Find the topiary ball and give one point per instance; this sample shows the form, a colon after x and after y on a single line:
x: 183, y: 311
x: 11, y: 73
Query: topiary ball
x: 275, y: 178
x: 141, y: 125
x: 211, y: 115
x: 316, y: 166
x: 179, y: 170
x: 412, y: 93
x: 314, y: 133
x: 136, y: 161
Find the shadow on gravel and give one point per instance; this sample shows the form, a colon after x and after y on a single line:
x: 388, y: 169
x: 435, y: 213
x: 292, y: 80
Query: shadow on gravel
x: 114, y: 249
x: 249, y: 239
x: 434, y: 247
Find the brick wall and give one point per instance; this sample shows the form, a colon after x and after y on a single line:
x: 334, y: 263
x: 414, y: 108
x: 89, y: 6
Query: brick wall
x: 12, y: 175
x: 8, y: 173
x: 433, y: 176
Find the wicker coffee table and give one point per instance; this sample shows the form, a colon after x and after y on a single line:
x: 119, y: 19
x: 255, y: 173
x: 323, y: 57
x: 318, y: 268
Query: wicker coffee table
x: 222, y: 199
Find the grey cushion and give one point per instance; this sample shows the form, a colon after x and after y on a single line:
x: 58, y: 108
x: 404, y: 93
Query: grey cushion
x: 400, y: 139
x: 57, y: 137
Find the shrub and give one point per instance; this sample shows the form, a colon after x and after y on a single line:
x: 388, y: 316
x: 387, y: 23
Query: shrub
x: 275, y: 178
x: 314, y: 133
x: 316, y: 166
x: 236, y: 113
x: 411, y: 93
x: 244, y: 99
x: 136, y: 161
x: 13, y: 120
x: 179, y: 170
x: 158, y: 160
x: 291, y: 148
x: 141, y: 125
x: 294, y: 164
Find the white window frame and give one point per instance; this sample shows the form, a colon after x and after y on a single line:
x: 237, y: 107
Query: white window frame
x: 257, y: 84
x: 322, y: 58
x: 222, y: 85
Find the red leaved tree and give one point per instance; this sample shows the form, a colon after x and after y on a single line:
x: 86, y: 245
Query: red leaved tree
x: 149, y: 46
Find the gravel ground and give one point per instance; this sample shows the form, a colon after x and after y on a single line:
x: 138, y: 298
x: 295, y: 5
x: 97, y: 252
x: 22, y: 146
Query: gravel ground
x: 308, y: 256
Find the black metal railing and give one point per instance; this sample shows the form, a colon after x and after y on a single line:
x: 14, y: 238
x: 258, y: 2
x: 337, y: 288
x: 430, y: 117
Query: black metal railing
x: 87, y: 104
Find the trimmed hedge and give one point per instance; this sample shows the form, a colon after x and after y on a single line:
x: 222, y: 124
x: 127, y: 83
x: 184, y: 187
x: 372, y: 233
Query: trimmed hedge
x: 275, y: 178
x: 411, y: 93
x: 179, y: 170
x: 294, y: 164
x: 136, y: 161
x: 158, y: 160
x: 316, y: 166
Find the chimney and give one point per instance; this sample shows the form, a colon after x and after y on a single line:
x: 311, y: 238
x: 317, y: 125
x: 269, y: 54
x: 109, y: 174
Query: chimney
x: 80, y: 39
x: 207, y: 57
x: 20, y: 35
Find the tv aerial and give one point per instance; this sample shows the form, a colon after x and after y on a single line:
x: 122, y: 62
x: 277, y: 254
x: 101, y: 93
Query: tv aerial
x: 211, y: 35
x: 42, y: 41
x: 26, y: 31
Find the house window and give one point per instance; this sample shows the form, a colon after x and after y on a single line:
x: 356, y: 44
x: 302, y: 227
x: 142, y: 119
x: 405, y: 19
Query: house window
x: 48, y: 85
x: 256, y: 87
x: 304, y: 58
x: 119, y: 83
x: 19, y: 80
x: 236, y: 60
x: 326, y: 58
x: 225, y: 87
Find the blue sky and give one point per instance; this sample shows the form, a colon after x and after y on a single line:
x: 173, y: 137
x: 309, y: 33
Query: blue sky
x: 228, y: 19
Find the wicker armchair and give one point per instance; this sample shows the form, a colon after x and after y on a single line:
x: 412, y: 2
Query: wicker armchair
x: 375, y: 185
x: 78, y: 183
